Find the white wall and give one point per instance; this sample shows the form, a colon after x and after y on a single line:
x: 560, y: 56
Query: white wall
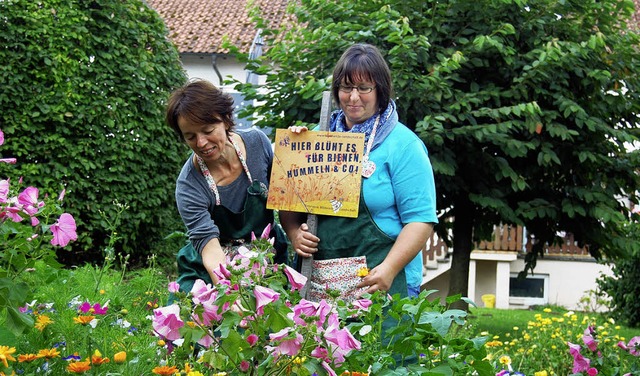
x: 201, y: 66
x: 569, y: 280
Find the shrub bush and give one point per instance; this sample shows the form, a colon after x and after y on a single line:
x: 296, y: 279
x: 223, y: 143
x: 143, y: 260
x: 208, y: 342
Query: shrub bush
x: 82, y: 99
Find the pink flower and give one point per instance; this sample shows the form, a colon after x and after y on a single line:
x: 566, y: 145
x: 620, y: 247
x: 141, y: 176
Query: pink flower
x: 244, y: 366
x: 634, y: 346
x: 8, y: 160
x: 362, y: 304
x: 29, y: 200
x: 580, y: 363
x: 64, y: 230
x: 202, y: 292
x: 266, y: 232
x: 320, y: 353
x: 252, y: 339
x: 286, y: 345
x: 504, y: 372
x: 4, y: 190
x: 264, y: 296
x: 61, y: 196
x: 174, y: 287
x: 311, y: 309
x: 167, y: 322
x: 592, y: 371
x: 296, y: 280
x: 341, y: 337
x: 1, y: 137
x: 86, y: 307
x: 588, y: 339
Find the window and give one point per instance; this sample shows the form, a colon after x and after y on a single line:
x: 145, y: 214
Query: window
x: 532, y: 290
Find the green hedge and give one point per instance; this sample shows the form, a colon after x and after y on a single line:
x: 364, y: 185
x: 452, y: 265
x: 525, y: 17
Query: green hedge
x: 82, y: 92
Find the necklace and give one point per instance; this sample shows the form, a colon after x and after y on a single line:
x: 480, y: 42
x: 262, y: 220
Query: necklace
x: 368, y: 166
x: 207, y: 174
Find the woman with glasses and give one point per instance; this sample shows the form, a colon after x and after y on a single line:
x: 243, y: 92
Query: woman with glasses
x: 221, y: 191
x: 397, y: 203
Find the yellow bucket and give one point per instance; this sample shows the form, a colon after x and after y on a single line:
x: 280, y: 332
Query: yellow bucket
x: 489, y: 300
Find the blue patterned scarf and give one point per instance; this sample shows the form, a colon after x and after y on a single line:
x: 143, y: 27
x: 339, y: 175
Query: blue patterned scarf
x: 388, y: 121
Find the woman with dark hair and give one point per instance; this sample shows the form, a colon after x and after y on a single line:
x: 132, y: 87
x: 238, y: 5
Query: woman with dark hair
x: 397, y: 209
x: 222, y: 189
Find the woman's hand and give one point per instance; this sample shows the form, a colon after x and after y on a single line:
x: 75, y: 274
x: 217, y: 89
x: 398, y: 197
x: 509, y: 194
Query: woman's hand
x: 303, y: 242
x: 298, y: 129
x: 379, y: 278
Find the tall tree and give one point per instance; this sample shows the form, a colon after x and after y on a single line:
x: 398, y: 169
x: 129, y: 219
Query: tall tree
x: 82, y: 92
x: 526, y: 107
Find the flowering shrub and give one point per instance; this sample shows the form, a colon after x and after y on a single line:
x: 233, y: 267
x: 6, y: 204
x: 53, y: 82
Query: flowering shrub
x: 253, y: 321
x: 27, y: 234
x: 560, y: 345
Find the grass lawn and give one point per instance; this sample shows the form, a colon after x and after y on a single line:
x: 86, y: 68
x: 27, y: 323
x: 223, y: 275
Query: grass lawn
x: 502, y: 321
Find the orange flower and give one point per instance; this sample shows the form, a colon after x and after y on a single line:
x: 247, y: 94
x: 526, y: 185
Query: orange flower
x: 5, y: 354
x: 48, y: 353
x: 42, y: 321
x: 84, y: 320
x: 120, y: 357
x: 27, y: 358
x: 165, y: 370
x: 79, y: 367
x: 97, y: 358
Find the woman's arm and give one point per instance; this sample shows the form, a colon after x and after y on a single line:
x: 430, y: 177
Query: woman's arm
x: 212, y: 257
x: 303, y: 242
x: 410, y: 241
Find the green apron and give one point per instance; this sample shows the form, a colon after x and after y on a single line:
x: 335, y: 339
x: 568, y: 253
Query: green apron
x: 235, y: 228
x: 348, y: 237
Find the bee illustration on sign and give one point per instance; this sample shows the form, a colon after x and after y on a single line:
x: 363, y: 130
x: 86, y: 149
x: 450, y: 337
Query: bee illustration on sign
x: 285, y: 141
x: 336, y: 204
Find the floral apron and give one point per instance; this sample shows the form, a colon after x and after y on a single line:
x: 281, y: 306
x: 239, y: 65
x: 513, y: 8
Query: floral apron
x: 349, y: 237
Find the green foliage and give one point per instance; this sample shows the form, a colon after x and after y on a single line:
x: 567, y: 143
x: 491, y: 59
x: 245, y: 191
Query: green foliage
x: 623, y: 287
x: 82, y: 99
x: 526, y: 107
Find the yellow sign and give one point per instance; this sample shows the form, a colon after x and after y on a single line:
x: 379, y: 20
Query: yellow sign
x: 317, y: 172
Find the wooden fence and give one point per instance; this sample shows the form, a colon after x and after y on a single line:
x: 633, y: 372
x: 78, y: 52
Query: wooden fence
x: 509, y: 238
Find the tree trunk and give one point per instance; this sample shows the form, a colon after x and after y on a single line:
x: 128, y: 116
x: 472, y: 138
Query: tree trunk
x: 462, y: 247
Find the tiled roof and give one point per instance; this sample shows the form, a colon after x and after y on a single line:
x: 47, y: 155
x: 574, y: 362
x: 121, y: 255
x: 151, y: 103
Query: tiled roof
x: 198, y: 26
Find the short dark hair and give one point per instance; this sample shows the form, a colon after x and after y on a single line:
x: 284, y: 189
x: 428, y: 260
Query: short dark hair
x: 363, y: 61
x: 199, y: 102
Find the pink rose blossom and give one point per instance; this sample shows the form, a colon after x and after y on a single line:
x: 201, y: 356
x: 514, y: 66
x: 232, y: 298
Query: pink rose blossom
x: 64, y: 230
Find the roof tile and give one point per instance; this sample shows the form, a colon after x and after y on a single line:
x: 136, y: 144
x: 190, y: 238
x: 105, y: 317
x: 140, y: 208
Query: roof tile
x: 199, y: 26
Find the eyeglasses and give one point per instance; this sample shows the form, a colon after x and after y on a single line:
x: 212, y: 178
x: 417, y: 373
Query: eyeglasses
x: 362, y: 89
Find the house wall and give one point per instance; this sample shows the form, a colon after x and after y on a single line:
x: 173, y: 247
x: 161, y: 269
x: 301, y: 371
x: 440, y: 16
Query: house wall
x: 201, y: 66
x: 569, y: 280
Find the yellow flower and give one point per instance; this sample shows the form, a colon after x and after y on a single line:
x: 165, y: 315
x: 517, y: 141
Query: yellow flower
x: 505, y: 359
x: 120, y: 357
x: 102, y: 292
x: 195, y: 373
x: 48, y: 353
x: 42, y: 321
x: 541, y: 373
x: 5, y: 355
x: 362, y: 272
x: 79, y: 367
x: 165, y: 370
x: 160, y: 343
x: 547, y: 310
x: 84, y: 320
